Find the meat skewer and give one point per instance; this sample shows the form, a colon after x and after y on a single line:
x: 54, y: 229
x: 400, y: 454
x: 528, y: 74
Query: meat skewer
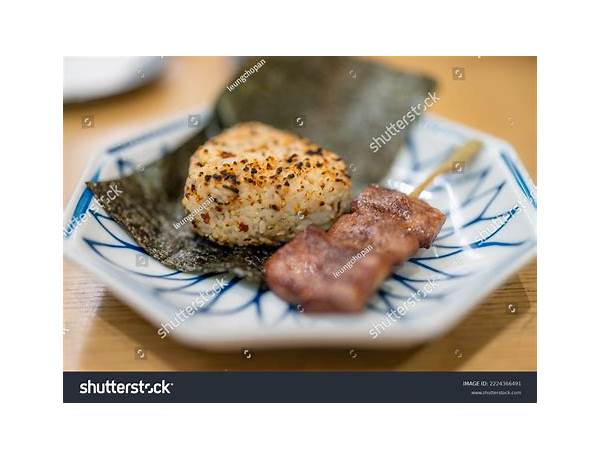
x: 339, y: 270
x: 460, y: 156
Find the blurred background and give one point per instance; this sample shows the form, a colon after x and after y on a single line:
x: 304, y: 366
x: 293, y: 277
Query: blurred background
x: 105, y: 99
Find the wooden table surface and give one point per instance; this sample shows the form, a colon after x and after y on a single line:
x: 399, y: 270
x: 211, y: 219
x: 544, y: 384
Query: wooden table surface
x: 496, y: 95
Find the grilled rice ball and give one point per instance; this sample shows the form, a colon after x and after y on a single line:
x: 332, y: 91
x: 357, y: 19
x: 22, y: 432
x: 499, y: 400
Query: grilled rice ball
x: 254, y: 184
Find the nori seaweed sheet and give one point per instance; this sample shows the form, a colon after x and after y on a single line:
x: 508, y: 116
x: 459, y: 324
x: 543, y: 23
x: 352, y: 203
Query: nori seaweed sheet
x: 149, y: 205
x: 342, y: 102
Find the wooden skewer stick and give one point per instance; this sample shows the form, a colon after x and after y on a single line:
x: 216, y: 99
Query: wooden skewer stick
x: 461, y: 155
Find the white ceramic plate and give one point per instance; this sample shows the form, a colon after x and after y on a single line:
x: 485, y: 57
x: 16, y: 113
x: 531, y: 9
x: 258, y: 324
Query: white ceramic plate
x: 489, y: 234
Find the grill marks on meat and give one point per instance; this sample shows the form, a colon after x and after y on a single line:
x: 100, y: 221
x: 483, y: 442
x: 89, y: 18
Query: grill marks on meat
x: 304, y: 272
x: 415, y: 216
x: 340, y: 269
x: 382, y: 232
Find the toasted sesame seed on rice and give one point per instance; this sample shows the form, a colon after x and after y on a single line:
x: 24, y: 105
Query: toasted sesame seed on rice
x: 267, y: 186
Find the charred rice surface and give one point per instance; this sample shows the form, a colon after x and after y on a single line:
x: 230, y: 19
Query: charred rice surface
x: 268, y: 185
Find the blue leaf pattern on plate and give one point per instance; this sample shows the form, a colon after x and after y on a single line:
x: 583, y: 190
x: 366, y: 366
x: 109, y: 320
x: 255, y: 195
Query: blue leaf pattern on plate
x: 479, y: 235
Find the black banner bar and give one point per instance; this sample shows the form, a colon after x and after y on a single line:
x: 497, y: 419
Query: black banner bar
x: 364, y: 387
